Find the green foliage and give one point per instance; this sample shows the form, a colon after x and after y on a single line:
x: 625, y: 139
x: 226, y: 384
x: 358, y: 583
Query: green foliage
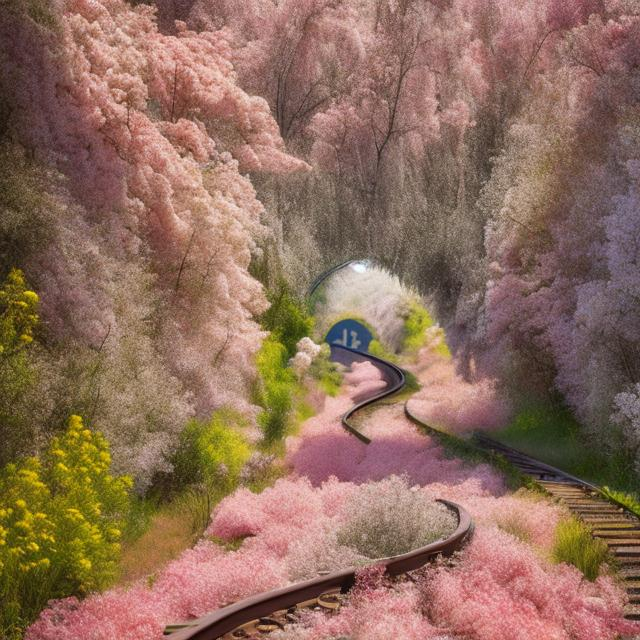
x: 575, y: 545
x: 196, y: 504
x: 376, y: 348
x: 275, y: 389
x: 213, y: 452
x: 326, y: 372
x: 141, y: 512
x: 629, y: 500
x: 417, y: 321
x: 287, y: 318
x: 18, y: 320
x: 549, y: 432
x: 61, y: 518
x: 411, y: 383
x: 229, y: 545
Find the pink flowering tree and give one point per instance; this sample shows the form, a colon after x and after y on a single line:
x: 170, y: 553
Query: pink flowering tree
x: 151, y: 132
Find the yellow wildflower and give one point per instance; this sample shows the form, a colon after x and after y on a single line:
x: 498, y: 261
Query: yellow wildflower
x: 75, y: 422
x: 85, y: 564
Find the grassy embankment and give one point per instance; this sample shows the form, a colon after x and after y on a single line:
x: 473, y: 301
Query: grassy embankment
x: 552, y: 435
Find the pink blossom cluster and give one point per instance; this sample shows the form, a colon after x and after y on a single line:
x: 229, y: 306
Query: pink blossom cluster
x: 143, y: 270
x: 279, y: 524
x: 531, y: 247
x: 377, y: 612
x: 325, y: 449
x: 448, y: 401
x: 502, y: 589
x: 365, y: 380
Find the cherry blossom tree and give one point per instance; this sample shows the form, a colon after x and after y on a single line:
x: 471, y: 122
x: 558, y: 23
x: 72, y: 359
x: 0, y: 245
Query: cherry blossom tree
x: 150, y: 247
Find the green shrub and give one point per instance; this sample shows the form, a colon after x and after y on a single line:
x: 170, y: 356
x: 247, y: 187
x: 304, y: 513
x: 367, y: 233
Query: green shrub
x: 287, y: 318
x: 61, y: 518
x: 575, y: 544
x: 417, y: 321
x: 326, y: 372
x: 213, y: 452
x: 547, y: 430
x: 275, y: 389
x: 376, y: 348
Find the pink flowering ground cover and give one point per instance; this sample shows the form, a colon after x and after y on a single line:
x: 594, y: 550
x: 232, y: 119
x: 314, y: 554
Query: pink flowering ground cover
x: 448, y: 401
x: 502, y: 587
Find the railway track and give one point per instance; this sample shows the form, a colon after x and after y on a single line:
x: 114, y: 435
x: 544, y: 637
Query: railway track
x: 610, y: 521
x: 260, y: 614
x: 392, y: 375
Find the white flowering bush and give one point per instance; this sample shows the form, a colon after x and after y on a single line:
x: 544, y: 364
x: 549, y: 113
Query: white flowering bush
x: 308, y: 351
x: 388, y: 518
x: 320, y: 552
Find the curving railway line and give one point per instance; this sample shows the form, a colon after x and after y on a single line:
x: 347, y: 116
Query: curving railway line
x: 254, y: 616
x: 272, y: 610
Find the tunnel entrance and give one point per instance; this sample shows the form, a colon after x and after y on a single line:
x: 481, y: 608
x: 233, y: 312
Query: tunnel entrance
x: 350, y: 333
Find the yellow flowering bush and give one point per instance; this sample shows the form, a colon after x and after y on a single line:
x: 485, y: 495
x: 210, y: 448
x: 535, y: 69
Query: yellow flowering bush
x: 18, y: 314
x: 212, y: 452
x: 18, y: 319
x: 60, y: 523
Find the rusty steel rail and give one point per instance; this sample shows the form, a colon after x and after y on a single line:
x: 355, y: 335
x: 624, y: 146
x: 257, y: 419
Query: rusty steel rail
x: 391, y: 374
x: 216, y: 624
